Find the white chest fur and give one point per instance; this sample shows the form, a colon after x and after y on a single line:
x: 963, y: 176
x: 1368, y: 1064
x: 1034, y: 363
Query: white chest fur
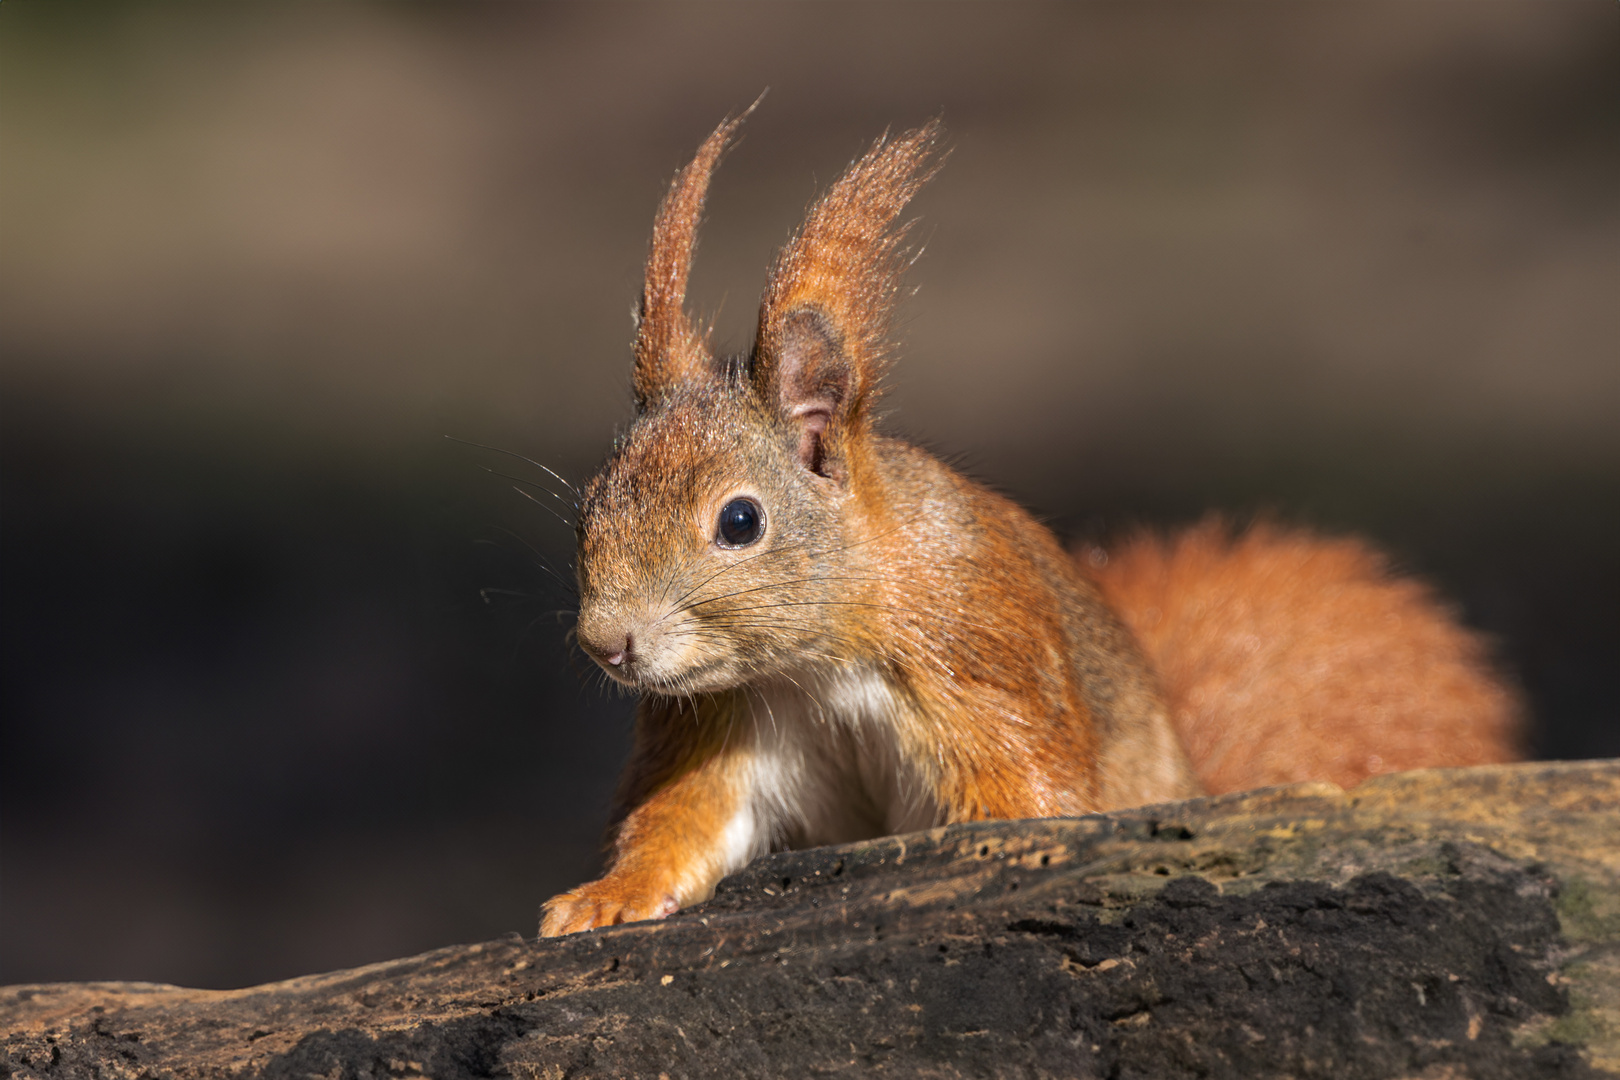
x: 829, y: 768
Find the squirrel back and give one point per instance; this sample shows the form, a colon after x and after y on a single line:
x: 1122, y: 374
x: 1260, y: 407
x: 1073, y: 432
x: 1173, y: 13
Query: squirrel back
x: 835, y: 635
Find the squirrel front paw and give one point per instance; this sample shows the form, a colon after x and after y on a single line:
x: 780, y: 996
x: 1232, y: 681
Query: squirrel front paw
x: 603, y: 902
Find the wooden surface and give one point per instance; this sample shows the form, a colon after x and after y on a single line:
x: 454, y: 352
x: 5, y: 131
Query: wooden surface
x: 1437, y: 924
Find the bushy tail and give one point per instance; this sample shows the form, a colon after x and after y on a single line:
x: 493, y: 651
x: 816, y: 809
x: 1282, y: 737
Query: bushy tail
x: 1287, y: 656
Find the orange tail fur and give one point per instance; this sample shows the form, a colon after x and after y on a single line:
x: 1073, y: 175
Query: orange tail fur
x: 1287, y: 656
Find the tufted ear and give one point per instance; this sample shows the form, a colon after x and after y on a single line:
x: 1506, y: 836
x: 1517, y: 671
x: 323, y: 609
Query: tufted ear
x: 669, y: 351
x: 824, y: 321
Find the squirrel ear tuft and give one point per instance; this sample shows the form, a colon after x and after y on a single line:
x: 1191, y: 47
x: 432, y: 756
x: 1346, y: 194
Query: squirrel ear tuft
x: 669, y: 350
x: 824, y: 320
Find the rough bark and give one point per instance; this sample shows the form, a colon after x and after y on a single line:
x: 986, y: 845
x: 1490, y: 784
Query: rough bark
x: 1438, y: 924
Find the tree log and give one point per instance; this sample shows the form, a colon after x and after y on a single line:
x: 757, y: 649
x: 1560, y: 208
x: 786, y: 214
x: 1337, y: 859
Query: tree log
x: 1459, y: 923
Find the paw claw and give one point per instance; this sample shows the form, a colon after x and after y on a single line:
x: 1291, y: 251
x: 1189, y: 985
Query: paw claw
x: 604, y: 902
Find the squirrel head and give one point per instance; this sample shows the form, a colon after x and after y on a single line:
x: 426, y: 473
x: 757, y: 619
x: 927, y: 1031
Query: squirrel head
x: 715, y: 545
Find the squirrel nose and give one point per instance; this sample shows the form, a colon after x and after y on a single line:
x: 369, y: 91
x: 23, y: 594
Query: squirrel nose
x: 613, y: 651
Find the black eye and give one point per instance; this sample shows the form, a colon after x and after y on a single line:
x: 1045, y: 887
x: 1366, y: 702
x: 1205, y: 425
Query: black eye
x: 741, y: 523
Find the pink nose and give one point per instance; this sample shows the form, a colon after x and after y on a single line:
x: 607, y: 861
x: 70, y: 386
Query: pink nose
x: 615, y: 651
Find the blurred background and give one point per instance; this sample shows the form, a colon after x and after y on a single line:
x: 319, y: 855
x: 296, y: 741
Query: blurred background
x: 285, y: 685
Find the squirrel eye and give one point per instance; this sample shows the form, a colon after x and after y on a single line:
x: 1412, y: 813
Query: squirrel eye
x: 741, y: 523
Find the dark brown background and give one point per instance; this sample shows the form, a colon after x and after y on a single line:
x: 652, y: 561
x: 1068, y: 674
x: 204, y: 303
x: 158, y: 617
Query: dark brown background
x: 1354, y: 264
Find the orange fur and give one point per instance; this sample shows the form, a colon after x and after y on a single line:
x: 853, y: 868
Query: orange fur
x: 1287, y: 656
x: 886, y: 645
x: 668, y: 348
x: 666, y: 858
x: 845, y: 262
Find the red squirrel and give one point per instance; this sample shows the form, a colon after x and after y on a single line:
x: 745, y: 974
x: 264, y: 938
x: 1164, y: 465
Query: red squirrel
x: 836, y: 636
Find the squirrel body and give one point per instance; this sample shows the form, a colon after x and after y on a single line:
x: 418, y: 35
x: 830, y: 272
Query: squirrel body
x: 837, y: 636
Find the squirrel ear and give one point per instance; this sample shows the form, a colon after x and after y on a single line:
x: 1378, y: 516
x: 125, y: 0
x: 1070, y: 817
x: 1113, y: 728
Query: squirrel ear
x: 669, y: 351
x: 824, y: 319
x: 812, y: 377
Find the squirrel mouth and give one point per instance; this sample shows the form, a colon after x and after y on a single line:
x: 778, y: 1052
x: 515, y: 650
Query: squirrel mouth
x: 648, y: 660
x: 689, y: 681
